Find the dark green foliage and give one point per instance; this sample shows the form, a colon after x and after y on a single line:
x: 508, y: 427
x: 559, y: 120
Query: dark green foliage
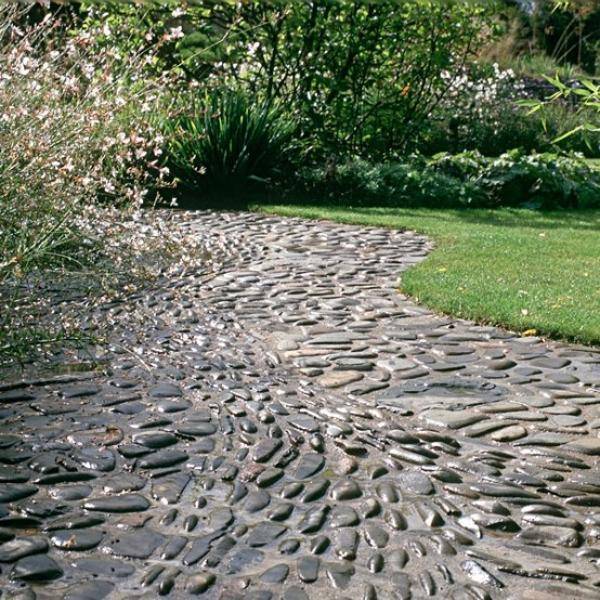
x: 572, y: 33
x: 464, y: 180
x: 510, y: 127
x: 565, y: 31
x: 410, y: 183
x: 358, y: 78
x: 227, y: 142
x: 517, y: 179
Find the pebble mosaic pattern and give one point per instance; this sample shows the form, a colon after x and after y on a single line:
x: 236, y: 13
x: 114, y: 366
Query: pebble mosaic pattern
x: 287, y: 425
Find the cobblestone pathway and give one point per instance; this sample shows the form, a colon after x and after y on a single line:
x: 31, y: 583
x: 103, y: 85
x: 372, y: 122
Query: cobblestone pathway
x: 286, y: 425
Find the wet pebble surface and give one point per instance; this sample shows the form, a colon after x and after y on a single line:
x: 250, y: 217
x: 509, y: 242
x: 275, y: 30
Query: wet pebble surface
x: 285, y: 424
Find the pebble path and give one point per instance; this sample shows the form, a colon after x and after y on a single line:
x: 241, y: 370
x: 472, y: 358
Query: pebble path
x: 285, y: 424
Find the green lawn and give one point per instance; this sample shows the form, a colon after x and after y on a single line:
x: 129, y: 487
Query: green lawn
x: 523, y: 269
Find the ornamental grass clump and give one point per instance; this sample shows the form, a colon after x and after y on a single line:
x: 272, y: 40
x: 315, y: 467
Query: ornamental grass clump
x: 79, y: 156
x: 224, y: 142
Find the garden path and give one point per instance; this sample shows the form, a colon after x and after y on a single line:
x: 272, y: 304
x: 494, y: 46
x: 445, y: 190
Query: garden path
x: 285, y: 424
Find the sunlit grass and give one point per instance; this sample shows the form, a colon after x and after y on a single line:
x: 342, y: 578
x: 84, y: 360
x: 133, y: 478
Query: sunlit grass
x: 526, y: 270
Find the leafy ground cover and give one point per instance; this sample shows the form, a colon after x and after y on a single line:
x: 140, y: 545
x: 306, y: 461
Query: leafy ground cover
x: 531, y: 271
x: 469, y: 179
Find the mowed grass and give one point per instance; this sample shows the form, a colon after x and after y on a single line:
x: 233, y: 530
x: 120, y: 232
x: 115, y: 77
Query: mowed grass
x: 530, y: 271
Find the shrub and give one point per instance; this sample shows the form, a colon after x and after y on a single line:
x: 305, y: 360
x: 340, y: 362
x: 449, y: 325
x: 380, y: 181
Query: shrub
x: 478, y: 111
x: 483, y: 110
x: 516, y: 179
x: 78, y: 157
x: 358, y: 78
x: 584, y: 99
x: 227, y: 142
x: 465, y: 180
x: 367, y: 86
x: 409, y: 183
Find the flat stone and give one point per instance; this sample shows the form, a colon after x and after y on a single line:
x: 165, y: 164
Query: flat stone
x: 163, y: 459
x: 138, y: 544
x: 74, y: 521
x: 10, y: 492
x: 585, y: 445
x: 452, y: 419
x: 199, y: 583
x: 256, y: 501
x: 375, y: 536
x: 304, y: 423
x: 168, y: 490
x: 15, y: 396
x: 309, y: 465
x: 118, y: 504
x: 344, y: 516
x: 308, y: 568
x: 345, y: 489
x: 71, y: 492
x: 415, y: 482
x: 166, y: 390
x: 155, y: 439
x: 269, y: 477
x: 76, y: 539
x: 20, y: 547
x: 95, y: 459
x: 551, y: 536
x: 91, y: 590
x: 265, y: 449
x: 264, y: 534
x: 36, y: 568
x: 509, y: 434
x: 396, y: 364
x: 243, y: 559
x: 197, y: 429
x: 339, y: 379
x: 545, y: 439
x: 480, y: 575
x: 123, y: 482
x: 275, y: 574
x: 336, y: 338
x: 549, y: 362
x: 353, y: 364
x: 339, y: 574
x: 80, y: 391
x: 104, y: 567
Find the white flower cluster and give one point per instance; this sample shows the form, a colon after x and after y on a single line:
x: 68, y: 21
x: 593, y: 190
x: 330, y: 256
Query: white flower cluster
x: 467, y: 96
x: 80, y: 152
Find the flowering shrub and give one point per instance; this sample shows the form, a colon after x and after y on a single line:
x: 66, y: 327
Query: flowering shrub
x: 479, y: 110
x: 79, y: 155
x: 473, y: 95
x: 485, y: 109
x: 481, y: 97
x: 358, y: 78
